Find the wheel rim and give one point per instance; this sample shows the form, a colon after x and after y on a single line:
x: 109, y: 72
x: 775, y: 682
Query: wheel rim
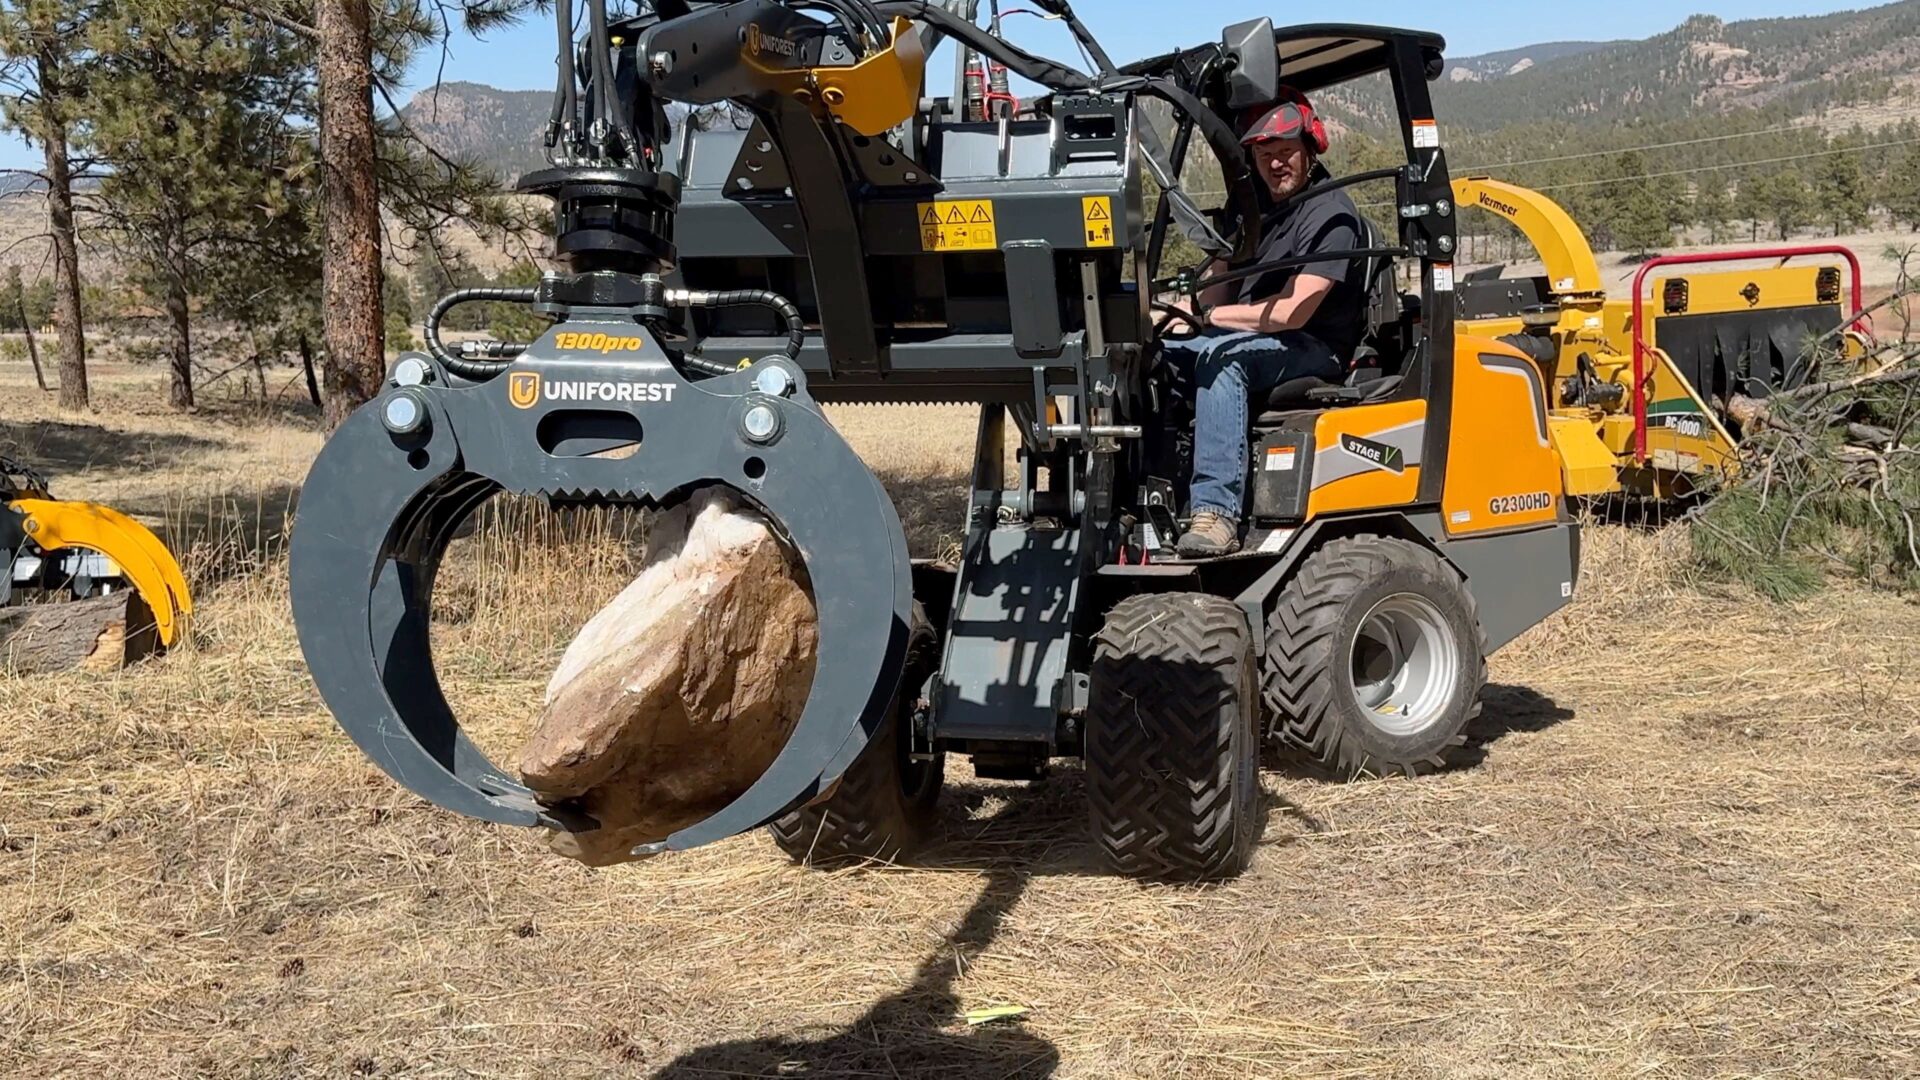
x: 1405, y: 664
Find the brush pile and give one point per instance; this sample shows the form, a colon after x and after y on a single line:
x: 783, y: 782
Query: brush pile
x: 1829, y: 481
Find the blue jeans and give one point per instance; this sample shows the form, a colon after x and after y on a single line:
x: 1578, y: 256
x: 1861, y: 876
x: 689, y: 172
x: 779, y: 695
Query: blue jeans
x: 1231, y: 370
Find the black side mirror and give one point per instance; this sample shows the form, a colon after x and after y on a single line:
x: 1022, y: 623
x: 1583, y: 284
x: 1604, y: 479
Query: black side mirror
x: 1254, y: 78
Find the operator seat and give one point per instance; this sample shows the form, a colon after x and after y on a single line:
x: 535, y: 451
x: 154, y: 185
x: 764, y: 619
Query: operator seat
x: 1373, y: 372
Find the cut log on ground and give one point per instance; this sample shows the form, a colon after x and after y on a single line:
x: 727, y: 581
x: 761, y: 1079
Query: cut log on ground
x: 676, y: 697
x: 104, y: 633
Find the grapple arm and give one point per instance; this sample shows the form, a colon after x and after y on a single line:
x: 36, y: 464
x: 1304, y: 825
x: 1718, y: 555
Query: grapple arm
x: 386, y: 495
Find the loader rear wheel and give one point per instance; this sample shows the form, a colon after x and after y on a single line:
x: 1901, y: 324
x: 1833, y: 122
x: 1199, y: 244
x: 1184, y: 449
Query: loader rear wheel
x: 1375, y: 660
x: 884, y: 806
x: 1172, y: 750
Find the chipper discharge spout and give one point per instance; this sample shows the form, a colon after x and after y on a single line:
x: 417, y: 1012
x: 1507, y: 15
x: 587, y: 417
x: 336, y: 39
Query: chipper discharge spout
x: 603, y: 409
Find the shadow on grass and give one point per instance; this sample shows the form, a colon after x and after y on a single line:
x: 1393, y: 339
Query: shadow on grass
x: 933, y: 510
x: 1509, y: 710
x: 918, y: 1032
x: 57, y: 447
x: 220, y: 537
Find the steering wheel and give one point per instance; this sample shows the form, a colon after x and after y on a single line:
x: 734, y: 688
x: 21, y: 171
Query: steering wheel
x: 1171, y: 314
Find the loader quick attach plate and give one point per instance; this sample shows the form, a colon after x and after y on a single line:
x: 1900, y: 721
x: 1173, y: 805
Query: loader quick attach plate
x: 380, y: 507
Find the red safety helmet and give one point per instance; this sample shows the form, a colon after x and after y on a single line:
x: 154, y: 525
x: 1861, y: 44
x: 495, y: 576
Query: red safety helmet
x: 1292, y: 118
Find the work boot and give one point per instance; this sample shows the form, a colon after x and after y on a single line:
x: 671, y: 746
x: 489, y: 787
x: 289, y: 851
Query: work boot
x: 1211, y: 535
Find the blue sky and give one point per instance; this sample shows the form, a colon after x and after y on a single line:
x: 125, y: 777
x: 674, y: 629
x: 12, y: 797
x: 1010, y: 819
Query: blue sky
x: 521, y: 58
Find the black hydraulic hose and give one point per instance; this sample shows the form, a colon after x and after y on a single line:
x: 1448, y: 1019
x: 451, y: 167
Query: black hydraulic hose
x: 1048, y: 73
x: 858, y: 25
x: 1337, y: 185
x: 564, y: 102
x: 607, y: 107
x: 478, y: 370
x: 1235, y: 167
x: 1099, y: 55
x: 785, y: 308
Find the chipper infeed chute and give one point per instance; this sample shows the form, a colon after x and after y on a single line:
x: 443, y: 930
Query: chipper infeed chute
x: 386, y: 495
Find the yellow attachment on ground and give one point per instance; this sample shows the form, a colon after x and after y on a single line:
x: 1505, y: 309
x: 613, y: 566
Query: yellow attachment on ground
x: 1588, y: 468
x: 54, y: 525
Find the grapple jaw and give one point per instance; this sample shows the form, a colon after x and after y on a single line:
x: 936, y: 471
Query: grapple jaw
x: 393, y: 484
x: 57, y: 525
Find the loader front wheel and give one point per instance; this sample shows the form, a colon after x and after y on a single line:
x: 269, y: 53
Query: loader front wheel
x: 1172, y: 748
x: 885, y: 804
x: 1375, y: 660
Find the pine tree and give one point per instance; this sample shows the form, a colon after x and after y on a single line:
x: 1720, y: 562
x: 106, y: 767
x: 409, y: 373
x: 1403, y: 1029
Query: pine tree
x: 1782, y: 198
x: 1842, y: 190
x: 1642, y: 210
x: 42, y: 68
x: 1712, y: 204
x: 192, y: 109
x: 1901, y: 191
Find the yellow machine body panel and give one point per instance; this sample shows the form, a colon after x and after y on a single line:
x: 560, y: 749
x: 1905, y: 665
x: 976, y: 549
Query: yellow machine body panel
x: 148, y: 565
x: 1373, y: 453
x: 1589, y: 468
x: 1734, y: 290
x: 1502, y: 469
x: 872, y: 96
x: 1683, y: 433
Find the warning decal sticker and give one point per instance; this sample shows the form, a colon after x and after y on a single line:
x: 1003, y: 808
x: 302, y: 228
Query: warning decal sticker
x: 1096, y: 213
x: 958, y: 225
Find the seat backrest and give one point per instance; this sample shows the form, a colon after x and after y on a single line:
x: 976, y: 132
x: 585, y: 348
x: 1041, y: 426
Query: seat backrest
x: 1383, y: 294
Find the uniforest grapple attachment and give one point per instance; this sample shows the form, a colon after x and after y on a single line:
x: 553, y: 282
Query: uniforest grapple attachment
x: 386, y: 495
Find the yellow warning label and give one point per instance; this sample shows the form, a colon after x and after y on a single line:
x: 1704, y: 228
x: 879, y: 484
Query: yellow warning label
x: 1097, y: 213
x: 958, y: 225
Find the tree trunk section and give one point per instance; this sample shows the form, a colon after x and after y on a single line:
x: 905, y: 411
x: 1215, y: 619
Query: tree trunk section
x: 67, y: 317
x: 104, y: 633
x: 679, y: 694
x: 354, y: 364
x: 306, y: 364
x: 179, y: 338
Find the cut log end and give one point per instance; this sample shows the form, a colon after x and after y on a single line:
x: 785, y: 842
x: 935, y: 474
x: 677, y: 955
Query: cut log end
x: 679, y: 694
x: 104, y: 633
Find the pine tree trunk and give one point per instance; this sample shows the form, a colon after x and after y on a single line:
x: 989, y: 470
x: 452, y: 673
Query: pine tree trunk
x: 67, y: 324
x: 180, y: 340
x: 354, y: 363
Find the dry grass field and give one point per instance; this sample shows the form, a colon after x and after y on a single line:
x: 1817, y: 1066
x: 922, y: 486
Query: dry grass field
x: 1691, y: 847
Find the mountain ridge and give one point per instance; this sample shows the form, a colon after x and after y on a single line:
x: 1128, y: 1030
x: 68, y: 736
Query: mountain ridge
x: 1852, y: 67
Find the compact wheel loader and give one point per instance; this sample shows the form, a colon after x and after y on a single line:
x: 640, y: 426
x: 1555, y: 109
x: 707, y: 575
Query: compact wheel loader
x: 862, y: 242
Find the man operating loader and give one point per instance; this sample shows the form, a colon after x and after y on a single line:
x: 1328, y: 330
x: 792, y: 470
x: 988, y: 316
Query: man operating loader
x: 1270, y: 328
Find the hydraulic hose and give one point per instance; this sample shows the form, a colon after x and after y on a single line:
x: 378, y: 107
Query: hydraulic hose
x: 482, y: 369
x: 767, y: 298
x: 1049, y: 73
x: 566, y: 104
x: 478, y: 370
